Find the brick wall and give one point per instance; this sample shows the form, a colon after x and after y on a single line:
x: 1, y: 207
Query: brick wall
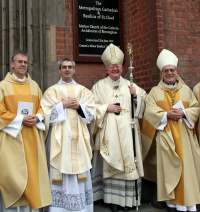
x: 139, y: 28
x: 86, y: 74
x: 150, y: 26
x: 61, y: 45
x: 180, y: 33
x: 141, y: 31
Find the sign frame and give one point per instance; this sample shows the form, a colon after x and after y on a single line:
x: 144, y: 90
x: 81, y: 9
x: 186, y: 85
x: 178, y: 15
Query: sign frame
x: 76, y: 38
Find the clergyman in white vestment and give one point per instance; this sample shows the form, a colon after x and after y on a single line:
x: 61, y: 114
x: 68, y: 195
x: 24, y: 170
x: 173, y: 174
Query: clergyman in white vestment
x: 68, y: 108
x: 114, y: 169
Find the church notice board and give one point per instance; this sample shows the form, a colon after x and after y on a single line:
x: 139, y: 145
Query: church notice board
x: 96, y: 25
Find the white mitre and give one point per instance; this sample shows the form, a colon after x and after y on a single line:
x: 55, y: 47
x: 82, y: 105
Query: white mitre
x: 112, y: 55
x: 166, y: 58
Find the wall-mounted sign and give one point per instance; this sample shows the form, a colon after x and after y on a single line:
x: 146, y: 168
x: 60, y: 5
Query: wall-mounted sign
x: 96, y: 25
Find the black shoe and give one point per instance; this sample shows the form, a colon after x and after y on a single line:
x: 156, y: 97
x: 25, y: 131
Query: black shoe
x: 125, y: 208
x: 171, y: 209
x: 114, y: 208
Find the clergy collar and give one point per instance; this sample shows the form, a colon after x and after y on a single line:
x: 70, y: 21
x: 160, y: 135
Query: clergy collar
x: 114, y: 84
x: 170, y: 85
x: 21, y: 80
x: 63, y: 82
x: 115, y: 80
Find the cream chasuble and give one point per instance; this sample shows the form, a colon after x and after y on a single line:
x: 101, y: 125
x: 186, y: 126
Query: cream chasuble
x: 24, y: 177
x: 70, y: 149
x: 177, y: 154
x: 113, y: 136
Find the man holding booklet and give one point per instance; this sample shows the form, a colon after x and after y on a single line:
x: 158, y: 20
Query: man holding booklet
x: 24, y: 181
x: 168, y: 124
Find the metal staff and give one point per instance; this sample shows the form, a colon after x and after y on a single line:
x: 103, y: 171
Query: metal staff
x: 130, y: 54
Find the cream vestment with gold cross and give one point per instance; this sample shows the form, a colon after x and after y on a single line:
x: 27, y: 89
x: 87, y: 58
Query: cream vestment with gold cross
x: 113, y: 140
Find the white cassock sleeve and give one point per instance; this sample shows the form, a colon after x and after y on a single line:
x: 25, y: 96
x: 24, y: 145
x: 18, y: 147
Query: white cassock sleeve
x: 58, y: 114
x: 88, y: 115
x: 187, y: 120
x: 163, y: 122
x: 140, y: 107
x: 14, y: 127
x: 40, y: 125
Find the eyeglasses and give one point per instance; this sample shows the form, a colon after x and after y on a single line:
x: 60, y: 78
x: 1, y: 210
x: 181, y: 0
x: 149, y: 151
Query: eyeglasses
x: 67, y: 67
x: 22, y: 61
x: 115, y: 66
x: 169, y: 70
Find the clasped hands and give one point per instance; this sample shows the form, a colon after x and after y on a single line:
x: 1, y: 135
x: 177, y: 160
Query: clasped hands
x: 69, y: 102
x: 30, y: 120
x: 175, y: 114
x: 113, y: 108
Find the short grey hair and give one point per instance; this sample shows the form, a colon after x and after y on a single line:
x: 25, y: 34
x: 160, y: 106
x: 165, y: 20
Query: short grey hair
x: 18, y: 52
x: 168, y: 65
x: 66, y: 59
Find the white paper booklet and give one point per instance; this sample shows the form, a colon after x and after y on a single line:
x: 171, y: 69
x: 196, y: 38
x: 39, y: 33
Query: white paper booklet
x: 179, y: 105
x: 24, y: 108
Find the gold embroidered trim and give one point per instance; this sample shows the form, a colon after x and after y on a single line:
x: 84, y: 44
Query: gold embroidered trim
x: 119, y: 160
x: 104, y: 148
x: 110, y: 169
x: 124, y: 111
x: 172, y: 96
x: 128, y: 170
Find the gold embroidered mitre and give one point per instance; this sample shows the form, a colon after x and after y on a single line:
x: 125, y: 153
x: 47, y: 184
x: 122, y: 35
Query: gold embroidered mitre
x: 165, y: 58
x: 112, y: 55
